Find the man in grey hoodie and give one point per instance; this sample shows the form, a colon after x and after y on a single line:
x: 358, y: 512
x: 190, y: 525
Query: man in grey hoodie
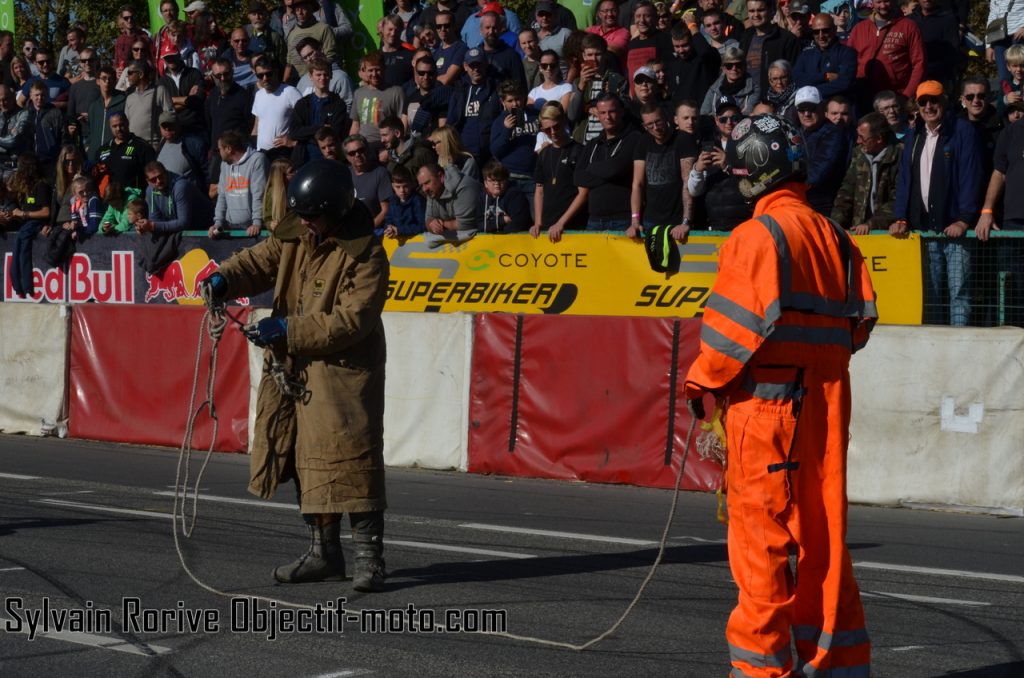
x: 243, y: 179
x: 454, y: 204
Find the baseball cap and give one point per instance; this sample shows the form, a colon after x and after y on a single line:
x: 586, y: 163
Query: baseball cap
x: 168, y: 118
x: 929, y: 88
x: 168, y: 49
x: 807, y: 95
x: 197, y: 6
x: 725, y: 102
x: 475, y: 56
x: 799, y: 7
x: 645, y: 72
x: 546, y: 6
x: 834, y: 6
x: 492, y: 7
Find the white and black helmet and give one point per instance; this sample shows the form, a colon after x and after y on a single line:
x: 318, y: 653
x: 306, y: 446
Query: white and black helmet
x: 766, y: 151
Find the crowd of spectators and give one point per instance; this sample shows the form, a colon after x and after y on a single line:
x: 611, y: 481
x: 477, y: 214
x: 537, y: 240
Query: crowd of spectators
x: 472, y: 119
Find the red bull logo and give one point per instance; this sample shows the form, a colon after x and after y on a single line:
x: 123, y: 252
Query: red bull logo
x: 180, y: 281
x: 80, y: 283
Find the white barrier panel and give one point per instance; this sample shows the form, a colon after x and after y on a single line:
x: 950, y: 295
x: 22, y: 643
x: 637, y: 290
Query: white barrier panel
x: 255, y: 370
x: 33, y: 365
x: 427, y: 389
x: 938, y: 418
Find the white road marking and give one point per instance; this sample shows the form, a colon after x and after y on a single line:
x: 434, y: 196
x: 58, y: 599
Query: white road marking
x: 17, y: 476
x: 394, y: 542
x: 562, y: 535
x: 345, y: 674
x: 102, y: 642
x: 701, y: 540
x: 940, y: 572
x: 10, y: 569
x: 106, y: 509
x: 923, y: 599
x: 907, y: 648
x: 59, y: 494
x: 232, y: 500
x: 458, y: 549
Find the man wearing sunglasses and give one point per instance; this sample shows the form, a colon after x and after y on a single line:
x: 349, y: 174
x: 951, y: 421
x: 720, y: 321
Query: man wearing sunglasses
x: 272, y: 108
x: 709, y: 183
x: 827, y: 64
x: 827, y: 150
x: 450, y: 51
x: 974, y: 99
x: 57, y: 85
x: 85, y: 91
x: 939, y: 190
x: 130, y: 34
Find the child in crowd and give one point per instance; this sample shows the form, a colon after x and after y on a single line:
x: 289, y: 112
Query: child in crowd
x: 1014, y: 64
x: 505, y: 207
x: 86, y: 208
x: 115, y: 219
x: 135, y: 210
x: 407, y: 212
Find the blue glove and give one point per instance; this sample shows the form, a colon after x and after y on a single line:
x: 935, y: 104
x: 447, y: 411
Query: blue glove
x: 267, y: 331
x: 215, y: 286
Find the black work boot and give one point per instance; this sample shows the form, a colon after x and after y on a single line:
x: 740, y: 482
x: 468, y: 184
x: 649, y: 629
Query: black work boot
x: 324, y: 560
x: 368, y: 574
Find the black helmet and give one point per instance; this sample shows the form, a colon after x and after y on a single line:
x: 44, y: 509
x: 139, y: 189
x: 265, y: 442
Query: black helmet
x: 321, y: 187
x: 766, y: 151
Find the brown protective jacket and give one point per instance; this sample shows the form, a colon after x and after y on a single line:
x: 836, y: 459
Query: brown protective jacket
x: 332, y: 294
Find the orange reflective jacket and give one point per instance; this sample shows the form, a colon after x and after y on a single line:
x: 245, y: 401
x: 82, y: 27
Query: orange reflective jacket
x: 792, y: 287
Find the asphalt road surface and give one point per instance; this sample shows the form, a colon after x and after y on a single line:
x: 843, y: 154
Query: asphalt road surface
x: 86, y: 541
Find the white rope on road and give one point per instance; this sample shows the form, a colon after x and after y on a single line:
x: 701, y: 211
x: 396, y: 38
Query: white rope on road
x: 213, y: 324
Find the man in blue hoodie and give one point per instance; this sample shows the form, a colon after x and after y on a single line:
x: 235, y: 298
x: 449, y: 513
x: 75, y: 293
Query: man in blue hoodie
x: 945, y: 199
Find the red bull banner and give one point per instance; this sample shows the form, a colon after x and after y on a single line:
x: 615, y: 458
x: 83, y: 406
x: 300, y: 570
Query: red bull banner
x: 105, y: 270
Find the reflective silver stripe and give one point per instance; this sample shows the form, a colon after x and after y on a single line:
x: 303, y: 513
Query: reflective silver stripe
x: 745, y: 317
x: 851, y: 307
x: 819, y: 336
x: 778, y: 660
x: 809, y: 671
x: 827, y: 641
x: 785, y: 263
x: 724, y: 344
x: 768, y: 390
x: 736, y: 673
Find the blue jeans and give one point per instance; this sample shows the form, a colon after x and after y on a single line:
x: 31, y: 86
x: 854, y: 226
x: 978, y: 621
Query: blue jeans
x: 21, y: 262
x: 1000, y: 49
x: 607, y: 224
x: 947, y: 283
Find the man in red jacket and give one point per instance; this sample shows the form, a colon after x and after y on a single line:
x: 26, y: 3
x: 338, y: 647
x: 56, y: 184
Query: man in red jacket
x: 890, y: 53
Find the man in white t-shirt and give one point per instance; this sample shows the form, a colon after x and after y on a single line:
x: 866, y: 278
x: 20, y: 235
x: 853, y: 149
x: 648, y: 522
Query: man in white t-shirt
x: 272, y: 109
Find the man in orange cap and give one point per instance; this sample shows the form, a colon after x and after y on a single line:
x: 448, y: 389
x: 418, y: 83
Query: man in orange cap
x: 939, y: 188
x: 791, y: 303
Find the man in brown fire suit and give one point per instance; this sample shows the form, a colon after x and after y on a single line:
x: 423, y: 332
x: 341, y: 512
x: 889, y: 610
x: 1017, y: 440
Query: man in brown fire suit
x: 329, y: 273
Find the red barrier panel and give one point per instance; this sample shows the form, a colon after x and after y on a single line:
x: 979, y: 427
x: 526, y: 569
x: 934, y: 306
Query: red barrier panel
x: 582, y: 397
x: 131, y: 375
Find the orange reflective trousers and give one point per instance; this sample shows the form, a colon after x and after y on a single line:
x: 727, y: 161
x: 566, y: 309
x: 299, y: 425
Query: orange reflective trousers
x: 791, y: 303
x: 786, y: 480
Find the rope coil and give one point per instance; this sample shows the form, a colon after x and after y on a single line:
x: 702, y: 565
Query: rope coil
x: 213, y: 325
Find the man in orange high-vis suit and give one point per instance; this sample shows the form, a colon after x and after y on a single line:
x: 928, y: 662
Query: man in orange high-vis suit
x: 792, y: 302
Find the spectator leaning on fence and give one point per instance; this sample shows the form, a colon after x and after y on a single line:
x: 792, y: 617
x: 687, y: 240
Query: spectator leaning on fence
x: 868, y: 192
x: 1008, y: 171
x: 243, y: 176
x: 455, y: 204
x: 939, y: 190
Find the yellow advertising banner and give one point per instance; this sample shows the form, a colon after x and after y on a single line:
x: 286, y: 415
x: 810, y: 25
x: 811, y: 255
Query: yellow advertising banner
x: 603, y: 274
